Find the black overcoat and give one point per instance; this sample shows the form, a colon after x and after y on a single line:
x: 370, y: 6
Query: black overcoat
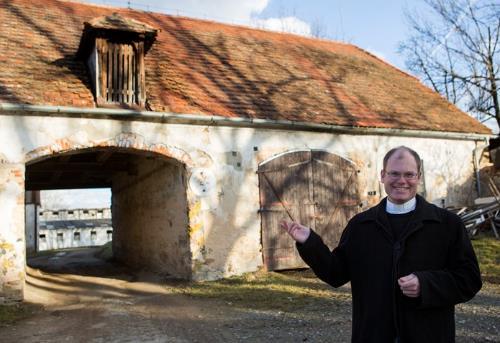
x: 435, y: 247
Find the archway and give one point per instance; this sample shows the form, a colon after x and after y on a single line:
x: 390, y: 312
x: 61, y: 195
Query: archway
x: 149, y: 201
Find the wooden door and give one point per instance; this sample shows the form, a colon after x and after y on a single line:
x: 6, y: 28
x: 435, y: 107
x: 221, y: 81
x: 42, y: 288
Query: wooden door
x: 314, y: 188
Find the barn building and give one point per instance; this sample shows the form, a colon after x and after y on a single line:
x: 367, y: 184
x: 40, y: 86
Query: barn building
x: 207, y: 134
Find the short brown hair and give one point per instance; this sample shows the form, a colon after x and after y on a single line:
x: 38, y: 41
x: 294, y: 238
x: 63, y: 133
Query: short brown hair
x: 402, y: 147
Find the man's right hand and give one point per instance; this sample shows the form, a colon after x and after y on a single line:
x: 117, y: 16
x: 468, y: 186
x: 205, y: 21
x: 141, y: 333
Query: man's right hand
x: 299, y: 233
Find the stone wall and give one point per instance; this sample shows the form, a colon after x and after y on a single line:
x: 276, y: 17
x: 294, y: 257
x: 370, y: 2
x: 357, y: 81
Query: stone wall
x: 12, y: 243
x: 150, y: 218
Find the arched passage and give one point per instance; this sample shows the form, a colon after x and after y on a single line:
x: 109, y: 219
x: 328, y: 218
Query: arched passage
x: 149, y: 201
x: 315, y: 188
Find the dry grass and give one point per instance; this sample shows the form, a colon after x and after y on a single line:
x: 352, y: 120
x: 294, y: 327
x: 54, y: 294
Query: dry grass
x: 487, y: 249
x: 286, y: 291
x: 290, y: 291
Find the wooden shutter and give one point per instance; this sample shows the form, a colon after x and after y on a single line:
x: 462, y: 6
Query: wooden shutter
x: 315, y: 188
x: 121, y: 73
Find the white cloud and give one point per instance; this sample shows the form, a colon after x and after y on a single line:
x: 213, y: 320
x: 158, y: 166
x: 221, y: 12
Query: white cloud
x: 225, y: 10
x: 228, y: 11
x: 254, y: 6
x: 240, y: 12
x: 75, y: 198
x: 284, y: 24
x: 244, y: 12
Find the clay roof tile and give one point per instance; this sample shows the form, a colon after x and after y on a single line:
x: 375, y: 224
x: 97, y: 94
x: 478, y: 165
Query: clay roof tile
x: 204, y: 67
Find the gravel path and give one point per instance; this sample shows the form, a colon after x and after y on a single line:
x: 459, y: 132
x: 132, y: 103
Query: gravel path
x: 79, y: 307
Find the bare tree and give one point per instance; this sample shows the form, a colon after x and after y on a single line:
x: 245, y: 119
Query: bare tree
x: 319, y: 29
x: 455, y: 50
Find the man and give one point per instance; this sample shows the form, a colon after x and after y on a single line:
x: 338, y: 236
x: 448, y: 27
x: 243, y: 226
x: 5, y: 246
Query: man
x: 409, y: 262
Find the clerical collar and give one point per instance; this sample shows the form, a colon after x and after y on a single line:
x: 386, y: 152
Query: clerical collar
x: 408, y: 206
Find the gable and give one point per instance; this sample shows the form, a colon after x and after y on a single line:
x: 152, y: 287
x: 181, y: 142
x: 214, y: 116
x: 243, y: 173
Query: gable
x: 202, y: 67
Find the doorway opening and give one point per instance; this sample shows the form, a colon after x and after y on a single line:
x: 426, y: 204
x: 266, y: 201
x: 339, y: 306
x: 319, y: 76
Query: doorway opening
x: 144, y: 225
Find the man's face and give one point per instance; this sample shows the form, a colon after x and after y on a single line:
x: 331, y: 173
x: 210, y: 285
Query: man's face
x: 400, y: 177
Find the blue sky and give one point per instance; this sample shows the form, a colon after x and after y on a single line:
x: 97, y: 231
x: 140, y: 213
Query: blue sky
x: 375, y: 25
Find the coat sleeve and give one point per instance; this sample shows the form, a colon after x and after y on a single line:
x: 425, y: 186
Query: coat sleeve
x: 460, y: 281
x: 329, y: 266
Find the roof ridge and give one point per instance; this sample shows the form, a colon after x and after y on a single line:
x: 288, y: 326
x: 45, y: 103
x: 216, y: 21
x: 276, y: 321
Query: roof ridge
x: 235, y: 25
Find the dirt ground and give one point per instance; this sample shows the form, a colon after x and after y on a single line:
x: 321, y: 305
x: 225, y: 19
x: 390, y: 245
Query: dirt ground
x: 81, y: 298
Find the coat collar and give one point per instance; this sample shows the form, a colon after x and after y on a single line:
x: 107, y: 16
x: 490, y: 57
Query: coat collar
x: 424, y: 211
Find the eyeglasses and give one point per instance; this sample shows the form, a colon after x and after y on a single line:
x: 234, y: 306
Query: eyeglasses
x: 396, y: 175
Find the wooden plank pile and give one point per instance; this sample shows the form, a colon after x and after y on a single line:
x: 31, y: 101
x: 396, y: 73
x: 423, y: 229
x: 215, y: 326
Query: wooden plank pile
x: 483, y: 215
x: 480, y: 217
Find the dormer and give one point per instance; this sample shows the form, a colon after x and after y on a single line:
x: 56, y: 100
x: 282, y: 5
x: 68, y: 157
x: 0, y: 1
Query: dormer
x: 114, y: 48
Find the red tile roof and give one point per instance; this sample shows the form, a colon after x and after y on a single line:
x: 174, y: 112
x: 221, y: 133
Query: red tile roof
x: 203, y: 67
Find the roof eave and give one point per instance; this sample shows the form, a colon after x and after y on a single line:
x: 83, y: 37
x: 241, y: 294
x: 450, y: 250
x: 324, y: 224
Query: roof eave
x: 215, y: 120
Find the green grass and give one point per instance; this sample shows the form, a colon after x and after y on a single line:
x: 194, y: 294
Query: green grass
x: 106, y: 251
x: 487, y: 249
x: 282, y: 291
x: 291, y: 291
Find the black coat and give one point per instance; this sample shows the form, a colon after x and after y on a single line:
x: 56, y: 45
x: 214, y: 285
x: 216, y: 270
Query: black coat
x: 435, y: 247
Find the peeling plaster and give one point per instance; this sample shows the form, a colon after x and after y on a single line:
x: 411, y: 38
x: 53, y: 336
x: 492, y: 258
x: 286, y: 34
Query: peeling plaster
x: 3, y: 159
x: 129, y: 140
x: 194, y: 211
x: 202, y: 182
x: 11, y: 235
x: 126, y: 140
x: 196, y: 228
x: 4, y: 247
x: 203, y: 160
x: 9, y: 193
x: 80, y: 138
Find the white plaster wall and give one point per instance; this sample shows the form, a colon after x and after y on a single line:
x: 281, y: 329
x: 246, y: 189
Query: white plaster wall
x: 49, y: 239
x: 45, y: 214
x: 221, y: 162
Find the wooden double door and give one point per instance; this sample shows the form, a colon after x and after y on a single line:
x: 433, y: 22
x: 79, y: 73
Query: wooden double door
x: 315, y: 188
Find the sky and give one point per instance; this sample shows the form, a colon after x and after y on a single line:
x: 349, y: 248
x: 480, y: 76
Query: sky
x: 75, y: 198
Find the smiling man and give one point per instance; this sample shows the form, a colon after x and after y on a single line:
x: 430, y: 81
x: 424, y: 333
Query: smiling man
x: 409, y: 262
